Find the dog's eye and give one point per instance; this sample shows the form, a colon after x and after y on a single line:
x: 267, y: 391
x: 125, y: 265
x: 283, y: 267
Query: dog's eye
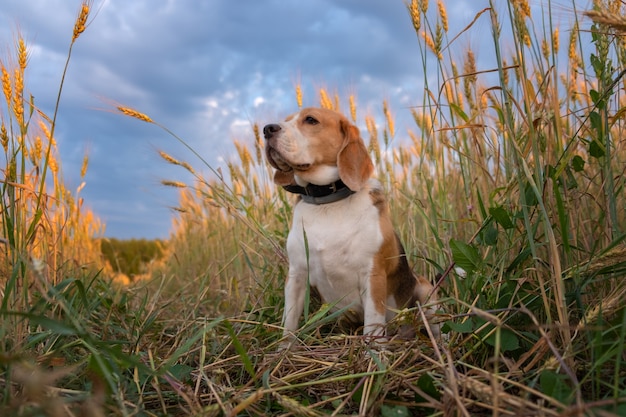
x: 311, y: 120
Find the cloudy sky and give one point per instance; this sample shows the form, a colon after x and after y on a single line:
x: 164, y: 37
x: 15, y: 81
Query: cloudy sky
x: 205, y: 69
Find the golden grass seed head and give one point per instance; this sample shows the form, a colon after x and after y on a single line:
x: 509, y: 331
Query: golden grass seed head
x: 83, y: 168
x: 299, y: 95
x: 371, y: 126
x: 4, y: 137
x: 572, y: 49
x: 555, y: 41
x: 325, y: 101
x: 389, y: 118
x: 521, y: 29
x: 187, y: 166
x: 429, y: 42
x: 414, y: 13
x: 608, y: 18
x: 81, y: 20
x: 483, y: 100
x: 244, y: 156
x: 18, y: 103
x: 175, y: 184
x: 523, y: 7
x: 168, y: 158
x: 258, y: 143
x: 416, y: 149
x: 455, y: 72
x: 22, y: 53
x: 233, y: 170
x: 7, y: 88
x: 44, y: 130
x: 438, y: 40
x: 423, y: 121
x: 37, y: 148
x: 134, y: 113
x: 374, y: 145
x: 352, y: 104
x: 237, y: 187
x: 505, y: 73
x: 443, y: 15
x: 469, y: 67
x: 424, y: 6
x: 53, y: 164
x: 449, y: 92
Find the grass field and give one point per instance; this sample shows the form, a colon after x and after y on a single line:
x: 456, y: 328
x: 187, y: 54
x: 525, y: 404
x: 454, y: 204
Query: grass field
x: 509, y: 186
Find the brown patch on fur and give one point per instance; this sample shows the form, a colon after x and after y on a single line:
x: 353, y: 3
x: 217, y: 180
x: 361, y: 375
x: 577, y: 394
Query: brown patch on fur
x: 354, y: 162
x: 392, y: 274
x: 284, y: 177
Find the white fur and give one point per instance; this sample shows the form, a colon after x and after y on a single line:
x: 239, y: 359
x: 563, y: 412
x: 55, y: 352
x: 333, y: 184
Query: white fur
x: 324, y: 174
x: 293, y: 145
x: 342, y: 239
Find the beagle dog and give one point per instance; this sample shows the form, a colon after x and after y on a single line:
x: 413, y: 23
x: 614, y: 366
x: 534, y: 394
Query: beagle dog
x: 341, y: 239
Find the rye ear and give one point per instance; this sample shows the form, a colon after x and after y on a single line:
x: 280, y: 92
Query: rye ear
x: 354, y: 162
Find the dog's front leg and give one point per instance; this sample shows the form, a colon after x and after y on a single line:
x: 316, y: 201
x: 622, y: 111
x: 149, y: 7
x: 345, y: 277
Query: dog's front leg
x: 294, y: 305
x: 374, y: 311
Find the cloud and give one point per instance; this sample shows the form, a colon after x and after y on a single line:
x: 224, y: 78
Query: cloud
x: 206, y: 70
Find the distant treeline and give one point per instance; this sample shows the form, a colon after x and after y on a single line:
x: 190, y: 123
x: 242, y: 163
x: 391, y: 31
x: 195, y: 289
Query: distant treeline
x: 130, y: 256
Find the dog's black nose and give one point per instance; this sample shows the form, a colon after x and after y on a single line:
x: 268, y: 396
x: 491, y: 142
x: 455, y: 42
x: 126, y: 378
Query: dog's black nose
x: 270, y: 130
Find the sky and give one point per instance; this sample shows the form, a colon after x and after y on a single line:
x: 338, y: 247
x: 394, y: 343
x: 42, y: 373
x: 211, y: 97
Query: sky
x: 207, y: 70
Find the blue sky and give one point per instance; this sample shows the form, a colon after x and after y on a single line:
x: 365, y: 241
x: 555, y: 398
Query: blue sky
x: 207, y: 69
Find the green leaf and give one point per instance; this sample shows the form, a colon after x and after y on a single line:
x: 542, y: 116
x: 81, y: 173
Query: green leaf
x: 241, y: 351
x: 457, y: 109
x: 501, y: 216
x: 597, y: 63
x: 578, y: 163
x: 596, y: 120
x: 427, y: 385
x: 465, y: 256
x: 555, y: 385
x: 56, y: 327
x: 394, y: 411
x: 464, y: 327
x: 508, y: 340
x: 519, y: 259
x: 530, y: 196
x: 595, y: 96
x: 596, y: 149
x: 181, y: 372
x: 489, y: 234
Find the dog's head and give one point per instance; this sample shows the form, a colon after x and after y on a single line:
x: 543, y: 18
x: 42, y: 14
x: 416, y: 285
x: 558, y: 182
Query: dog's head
x: 317, y: 146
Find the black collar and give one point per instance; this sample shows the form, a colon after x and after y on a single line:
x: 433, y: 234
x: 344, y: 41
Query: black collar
x: 321, y: 194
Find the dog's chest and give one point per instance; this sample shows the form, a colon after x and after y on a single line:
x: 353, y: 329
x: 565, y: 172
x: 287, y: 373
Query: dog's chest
x: 335, y: 244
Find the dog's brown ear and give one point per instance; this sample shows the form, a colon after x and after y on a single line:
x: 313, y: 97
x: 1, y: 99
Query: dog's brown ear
x: 283, y: 178
x: 354, y: 162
